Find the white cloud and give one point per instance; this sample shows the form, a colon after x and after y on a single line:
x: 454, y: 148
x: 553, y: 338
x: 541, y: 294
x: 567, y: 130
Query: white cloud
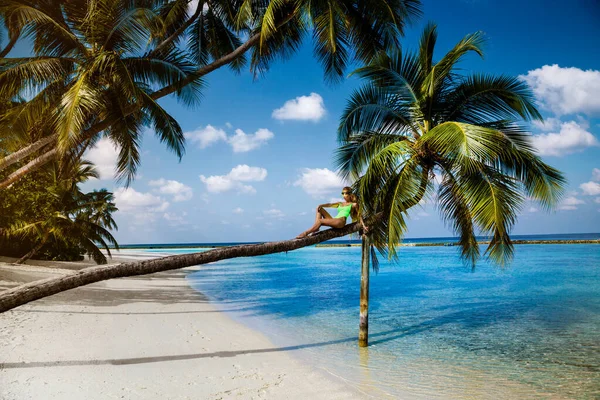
x: 549, y: 124
x: 566, y: 90
x: 104, y: 155
x: 206, y: 136
x: 573, y: 137
x: 217, y: 183
x: 570, y: 203
x: 274, y: 213
x: 590, y: 188
x: 175, y: 219
x: 178, y: 190
x: 246, y: 189
x: 302, y: 108
x: 128, y: 199
x: 238, y: 210
x: 597, y: 200
x: 423, y: 214
x: 532, y: 210
x: 596, y: 174
x: 193, y: 6
x: 241, y: 173
x: 242, y: 142
x: 228, y: 125
x: 244, y: 173
x: 319, y: 181
x: 143, y: 207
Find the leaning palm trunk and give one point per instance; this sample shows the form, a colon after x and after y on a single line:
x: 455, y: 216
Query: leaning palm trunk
x: 39, y: 289
x: 95, y: 61
x: 33, y: 251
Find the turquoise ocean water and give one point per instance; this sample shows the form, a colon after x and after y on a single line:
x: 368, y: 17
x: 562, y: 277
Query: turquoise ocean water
x: 437, y: 329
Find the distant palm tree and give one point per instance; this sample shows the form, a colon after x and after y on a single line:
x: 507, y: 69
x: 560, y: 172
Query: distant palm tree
x: 76, y: 219
x: 100, y: 207
x: 418, y: 120
x: 100, y: 66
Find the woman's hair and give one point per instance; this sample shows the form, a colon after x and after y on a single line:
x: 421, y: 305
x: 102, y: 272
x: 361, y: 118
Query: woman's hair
x: 353, y: 199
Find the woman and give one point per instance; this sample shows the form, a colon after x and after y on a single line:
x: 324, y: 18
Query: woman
x: 349, y: 207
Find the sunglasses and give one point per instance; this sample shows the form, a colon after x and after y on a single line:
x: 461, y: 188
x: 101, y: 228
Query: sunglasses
x: 343, y: 193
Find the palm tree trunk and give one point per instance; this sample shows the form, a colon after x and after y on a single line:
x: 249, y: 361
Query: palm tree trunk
x: 33, y: 251
x: 9, y: 46
x: 179, y: 31
x: 23, y: 294
x: 29, y: 167
x: 25, y: 152
x: 93, y: 130
x: 363, y: 324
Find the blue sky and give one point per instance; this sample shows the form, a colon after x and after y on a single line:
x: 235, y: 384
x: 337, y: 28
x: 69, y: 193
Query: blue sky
x: 250, y: 174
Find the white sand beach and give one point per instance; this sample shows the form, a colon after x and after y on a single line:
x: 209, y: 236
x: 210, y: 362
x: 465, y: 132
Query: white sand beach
x: 149, y: 337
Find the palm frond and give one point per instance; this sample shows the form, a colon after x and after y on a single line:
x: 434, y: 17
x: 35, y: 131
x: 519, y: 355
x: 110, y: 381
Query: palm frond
x: 354, y: 154
x: 331, y: 39
x: 134, y: 26
x: 399, y: 73
x: 494, y: 200
x: 455, y: 212
x: 57, y: 38
x: 486, y: 98
x: 373, y: 108
x: 77, y: 105
x: 427, y: 47
x: 28, y: 75
x: 465, y: 144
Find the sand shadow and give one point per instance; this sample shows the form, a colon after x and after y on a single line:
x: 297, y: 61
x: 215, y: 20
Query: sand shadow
x: 180, y: 357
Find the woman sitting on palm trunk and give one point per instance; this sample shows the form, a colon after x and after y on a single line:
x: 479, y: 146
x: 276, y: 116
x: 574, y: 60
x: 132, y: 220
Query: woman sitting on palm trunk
x: 349, y: 207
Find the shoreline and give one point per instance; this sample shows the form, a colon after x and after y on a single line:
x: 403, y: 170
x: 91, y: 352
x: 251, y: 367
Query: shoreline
x: 151, y: 336
x: 450, y: 244
x: 417, y: 244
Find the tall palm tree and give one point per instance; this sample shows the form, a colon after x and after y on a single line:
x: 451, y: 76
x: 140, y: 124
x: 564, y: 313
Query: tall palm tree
x: 101, y: 65
x: 76, y: 219
x: 417, y: 120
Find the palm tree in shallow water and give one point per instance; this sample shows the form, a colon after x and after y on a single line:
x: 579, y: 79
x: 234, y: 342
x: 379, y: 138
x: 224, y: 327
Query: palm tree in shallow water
x: 417, y: 121
x: 100, y: 66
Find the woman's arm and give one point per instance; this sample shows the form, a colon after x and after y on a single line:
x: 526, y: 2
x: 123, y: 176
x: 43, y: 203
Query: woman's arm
x: 332, y: 205
x: 360, y: 218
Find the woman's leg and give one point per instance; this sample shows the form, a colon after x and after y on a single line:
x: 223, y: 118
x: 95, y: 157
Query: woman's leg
x: 332, y: 222
x: 322, y: 213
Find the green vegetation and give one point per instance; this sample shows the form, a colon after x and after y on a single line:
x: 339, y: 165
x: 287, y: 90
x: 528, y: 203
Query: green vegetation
x: 46, y: 215
x: 100, y: 66
x: 417, y: 120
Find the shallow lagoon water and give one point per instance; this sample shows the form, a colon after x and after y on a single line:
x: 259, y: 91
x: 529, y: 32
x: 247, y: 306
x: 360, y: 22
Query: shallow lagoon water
x: 437, y: 328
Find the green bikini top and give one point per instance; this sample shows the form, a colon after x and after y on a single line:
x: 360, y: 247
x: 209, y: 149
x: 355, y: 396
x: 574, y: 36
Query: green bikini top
x: 343, y: 211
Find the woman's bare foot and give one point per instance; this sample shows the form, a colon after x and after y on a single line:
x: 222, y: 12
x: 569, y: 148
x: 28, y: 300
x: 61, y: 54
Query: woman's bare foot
x: 302, y: 235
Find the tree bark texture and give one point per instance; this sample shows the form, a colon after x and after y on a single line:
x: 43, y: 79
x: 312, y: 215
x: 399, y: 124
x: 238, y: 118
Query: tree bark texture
x: 26, y: 293
x: 25, y: 151
x: 363, y: 324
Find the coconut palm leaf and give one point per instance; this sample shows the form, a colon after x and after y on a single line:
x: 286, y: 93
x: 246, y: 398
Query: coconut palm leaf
x: 416, y: 117
x: 133, y: 48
